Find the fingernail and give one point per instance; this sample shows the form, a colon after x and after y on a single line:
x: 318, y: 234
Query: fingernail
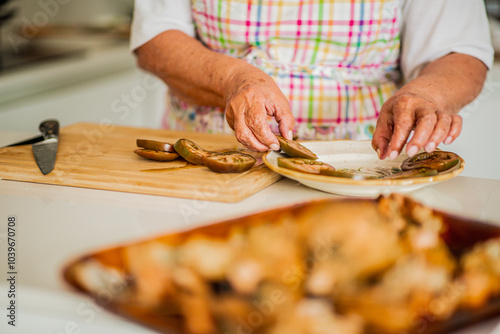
x: 430, y: 147
x: 275, y: 147
x: 393, y: 155
x: 290, y: 134
x: 448, y: 140
x: 378, y: 152
x: 412, y: 150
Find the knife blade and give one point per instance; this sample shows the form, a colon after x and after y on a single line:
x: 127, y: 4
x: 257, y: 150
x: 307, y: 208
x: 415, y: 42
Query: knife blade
x: 45, y: 151
x: 26, y: 141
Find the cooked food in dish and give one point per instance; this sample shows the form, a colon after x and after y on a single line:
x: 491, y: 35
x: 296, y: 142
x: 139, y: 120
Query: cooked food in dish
x: 295, y: 149
x: 334, y: 266
x: 481, y: 273
x: 349, y: 174
x: 229, y: 162
x: 421, y: 165
x: 320, y: 168
x: 438, y: 160
x: 415, y: 172
x: 156, y: 155
x: 305, y: 165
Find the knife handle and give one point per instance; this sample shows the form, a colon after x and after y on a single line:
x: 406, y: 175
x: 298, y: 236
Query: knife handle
x: 49, y: 129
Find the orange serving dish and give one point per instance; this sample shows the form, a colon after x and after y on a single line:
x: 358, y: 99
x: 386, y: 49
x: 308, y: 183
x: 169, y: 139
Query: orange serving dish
x: 386, y: 265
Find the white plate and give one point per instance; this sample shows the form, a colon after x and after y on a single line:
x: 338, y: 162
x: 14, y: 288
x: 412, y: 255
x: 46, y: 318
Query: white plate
x: 354, y: 154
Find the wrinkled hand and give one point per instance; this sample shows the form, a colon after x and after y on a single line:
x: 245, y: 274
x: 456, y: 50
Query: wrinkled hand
x: 252, y: 97
x: 407, y: 111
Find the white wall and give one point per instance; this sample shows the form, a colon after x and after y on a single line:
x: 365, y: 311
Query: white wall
x: 99, y: 100
x: 479, y: 143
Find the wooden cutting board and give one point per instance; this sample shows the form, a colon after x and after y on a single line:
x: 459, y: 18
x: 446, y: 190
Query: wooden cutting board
x: 100, y: 156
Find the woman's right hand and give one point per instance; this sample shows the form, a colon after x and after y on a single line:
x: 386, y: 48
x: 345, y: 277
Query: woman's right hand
x: 204, y: 77
x: 250, y: 98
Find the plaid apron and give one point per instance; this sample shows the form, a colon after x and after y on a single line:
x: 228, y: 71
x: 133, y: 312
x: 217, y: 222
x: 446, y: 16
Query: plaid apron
x: 336, y: 61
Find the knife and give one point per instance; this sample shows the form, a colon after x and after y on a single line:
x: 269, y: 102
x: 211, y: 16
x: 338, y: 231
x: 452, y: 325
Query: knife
x: 44, y: 146
x: 45, y: 151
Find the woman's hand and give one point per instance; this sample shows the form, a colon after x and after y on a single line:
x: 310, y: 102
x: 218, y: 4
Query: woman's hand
x: 252, y: 96
x: 429, y: 105
x: 407, y: 111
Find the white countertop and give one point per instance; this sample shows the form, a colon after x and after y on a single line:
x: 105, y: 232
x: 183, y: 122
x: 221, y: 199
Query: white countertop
x: 57, y: 223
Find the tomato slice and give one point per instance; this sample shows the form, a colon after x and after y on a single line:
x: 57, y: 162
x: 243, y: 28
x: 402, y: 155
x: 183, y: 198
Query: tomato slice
x: 438, y: 160
x: 155, y: 145
x: 350, y: 175
x: 305, y: 165
x: 229, y: 162
x: 156, y: 155
x: 191, y: 152
x: 411, y: 173
x: 295, y: 149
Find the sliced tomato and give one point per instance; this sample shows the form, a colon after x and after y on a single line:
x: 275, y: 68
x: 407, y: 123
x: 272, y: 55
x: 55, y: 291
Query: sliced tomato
x: 155, y: 145
x: 191, y: 152
x: 411, y: 173
x: 156, y: 155
x: 346, y: 174
x: 438, y: 160
x: 229, y: 162
x: 305, y: 165
x: 295, y: 149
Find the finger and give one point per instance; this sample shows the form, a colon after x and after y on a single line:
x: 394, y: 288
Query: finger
x: 256, y: 121
x: 404, y: 120
x: 441, y: 130
x: 455, y: 129
x: 230, y: 117
x: 245, y: 136
x: 285, y: 119
x: 383, y: 132
x: 242, y: 133
x: 424, y: 127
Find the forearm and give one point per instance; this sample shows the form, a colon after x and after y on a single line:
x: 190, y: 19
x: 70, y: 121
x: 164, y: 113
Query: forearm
x: 192, y: 72
x: 452, y: 81
x: 204, y: 77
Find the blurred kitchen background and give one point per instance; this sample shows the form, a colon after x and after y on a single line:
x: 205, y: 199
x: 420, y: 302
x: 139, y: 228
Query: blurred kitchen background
x: 69, y: 59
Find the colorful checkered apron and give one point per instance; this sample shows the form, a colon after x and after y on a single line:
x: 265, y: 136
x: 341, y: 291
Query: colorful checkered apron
x: 336, y: 61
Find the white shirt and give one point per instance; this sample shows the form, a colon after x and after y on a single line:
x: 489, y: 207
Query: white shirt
x: 430, y: 28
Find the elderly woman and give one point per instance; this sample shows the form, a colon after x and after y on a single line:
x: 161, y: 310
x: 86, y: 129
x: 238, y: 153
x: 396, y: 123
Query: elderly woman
x: 396, y: 71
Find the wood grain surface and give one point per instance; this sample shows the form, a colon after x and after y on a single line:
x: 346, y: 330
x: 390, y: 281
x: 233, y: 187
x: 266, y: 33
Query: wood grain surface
x: 100, y: 156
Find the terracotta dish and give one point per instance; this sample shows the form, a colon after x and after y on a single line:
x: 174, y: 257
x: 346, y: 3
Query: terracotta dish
x: 350, y: 266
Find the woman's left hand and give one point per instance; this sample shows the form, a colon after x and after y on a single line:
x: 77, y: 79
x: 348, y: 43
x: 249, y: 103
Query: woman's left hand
x: 429, y: 105
x: 407, y: 111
